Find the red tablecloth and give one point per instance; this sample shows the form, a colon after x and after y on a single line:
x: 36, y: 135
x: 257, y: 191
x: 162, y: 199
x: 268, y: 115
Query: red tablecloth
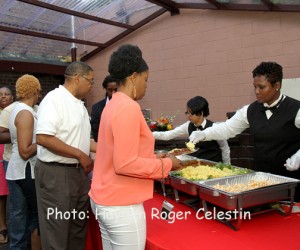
x: 93, y: 239
x: 266, y: 231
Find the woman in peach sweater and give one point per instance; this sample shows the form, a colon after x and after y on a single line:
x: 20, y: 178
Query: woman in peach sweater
x: 125, y: 164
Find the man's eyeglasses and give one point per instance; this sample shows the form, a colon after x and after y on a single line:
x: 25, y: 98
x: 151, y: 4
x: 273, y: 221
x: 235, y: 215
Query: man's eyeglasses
x: 187, y: 113
x: 89, y: 80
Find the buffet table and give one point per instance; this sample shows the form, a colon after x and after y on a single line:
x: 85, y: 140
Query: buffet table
x: 265, y: 231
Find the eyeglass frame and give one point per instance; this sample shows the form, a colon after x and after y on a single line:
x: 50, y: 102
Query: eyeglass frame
x: 89, y: 80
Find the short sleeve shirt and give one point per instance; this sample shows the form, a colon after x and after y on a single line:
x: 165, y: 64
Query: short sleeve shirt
x: 64, y: 116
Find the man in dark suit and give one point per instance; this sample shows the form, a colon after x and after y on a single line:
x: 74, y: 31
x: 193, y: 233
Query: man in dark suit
x: 111, y: 87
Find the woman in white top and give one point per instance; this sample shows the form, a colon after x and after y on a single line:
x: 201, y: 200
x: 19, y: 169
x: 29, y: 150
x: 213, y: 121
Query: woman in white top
x: 21, y: 165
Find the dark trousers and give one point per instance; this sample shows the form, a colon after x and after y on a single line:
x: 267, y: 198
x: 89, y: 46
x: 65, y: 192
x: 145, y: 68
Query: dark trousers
x: 19, y: 216
x: 63, y: 202
x: 27, y: 186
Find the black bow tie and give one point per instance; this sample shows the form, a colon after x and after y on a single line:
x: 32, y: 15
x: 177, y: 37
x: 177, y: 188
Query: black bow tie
x: 272, y: 109
x: 198, y: 127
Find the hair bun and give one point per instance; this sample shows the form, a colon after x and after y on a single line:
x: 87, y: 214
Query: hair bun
x: 124, y: 61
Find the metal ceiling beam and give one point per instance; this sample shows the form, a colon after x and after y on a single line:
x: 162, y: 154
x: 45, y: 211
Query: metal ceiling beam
x: 196, y: 6
x: 214, y: 3
x: 268, y: 3
x: 48, y: 36
x: 242, y: 7
x: 257, y: 7
x: 286, y: 7
x: 75, y: 13
x: 167, y: 4
x: 125, y: 33
x: 21, y: 67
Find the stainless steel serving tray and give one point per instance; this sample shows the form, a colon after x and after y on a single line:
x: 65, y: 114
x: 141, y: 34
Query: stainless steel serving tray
x: 186, y: 158
x: 230, y: 201
x: 185, y: 185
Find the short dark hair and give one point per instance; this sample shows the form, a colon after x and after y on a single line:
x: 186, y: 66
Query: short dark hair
x: 198, y: 105
x: 126, y: 60
x: 78, y: 68
x: 271, y: 70
x: 108, y: 79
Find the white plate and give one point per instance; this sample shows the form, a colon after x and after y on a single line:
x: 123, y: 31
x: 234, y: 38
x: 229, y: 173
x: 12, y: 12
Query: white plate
x: 184, y: 152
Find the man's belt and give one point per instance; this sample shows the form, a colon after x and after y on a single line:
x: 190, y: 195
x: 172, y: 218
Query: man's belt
x: 68, y: 165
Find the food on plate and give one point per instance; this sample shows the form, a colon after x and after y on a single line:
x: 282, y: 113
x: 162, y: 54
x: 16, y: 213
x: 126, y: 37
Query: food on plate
x: 205, y: 172
x: 241, y: 187
x: 180, y: 151
x: 190, y: 146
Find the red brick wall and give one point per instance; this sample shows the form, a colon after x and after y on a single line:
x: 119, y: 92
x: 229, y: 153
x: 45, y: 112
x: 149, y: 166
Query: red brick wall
x: 48, y: 82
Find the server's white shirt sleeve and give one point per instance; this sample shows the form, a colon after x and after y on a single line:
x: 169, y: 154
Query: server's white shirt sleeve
x: 230, y: 128
x: 180, y: 131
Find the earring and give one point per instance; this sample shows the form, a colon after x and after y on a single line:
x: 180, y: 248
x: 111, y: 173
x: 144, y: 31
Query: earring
x: 134, y: 92
x: 277, y: 89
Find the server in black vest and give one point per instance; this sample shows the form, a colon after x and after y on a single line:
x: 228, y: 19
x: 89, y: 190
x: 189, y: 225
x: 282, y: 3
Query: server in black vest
x: 274, y: 122
x: 197, y: 111
x: 110, y: 87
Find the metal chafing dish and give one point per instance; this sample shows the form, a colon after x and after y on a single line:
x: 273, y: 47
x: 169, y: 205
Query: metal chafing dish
x: 185, y: 185
x: 282, y: 189
x: 161, y: 185
x: 167, y: 181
